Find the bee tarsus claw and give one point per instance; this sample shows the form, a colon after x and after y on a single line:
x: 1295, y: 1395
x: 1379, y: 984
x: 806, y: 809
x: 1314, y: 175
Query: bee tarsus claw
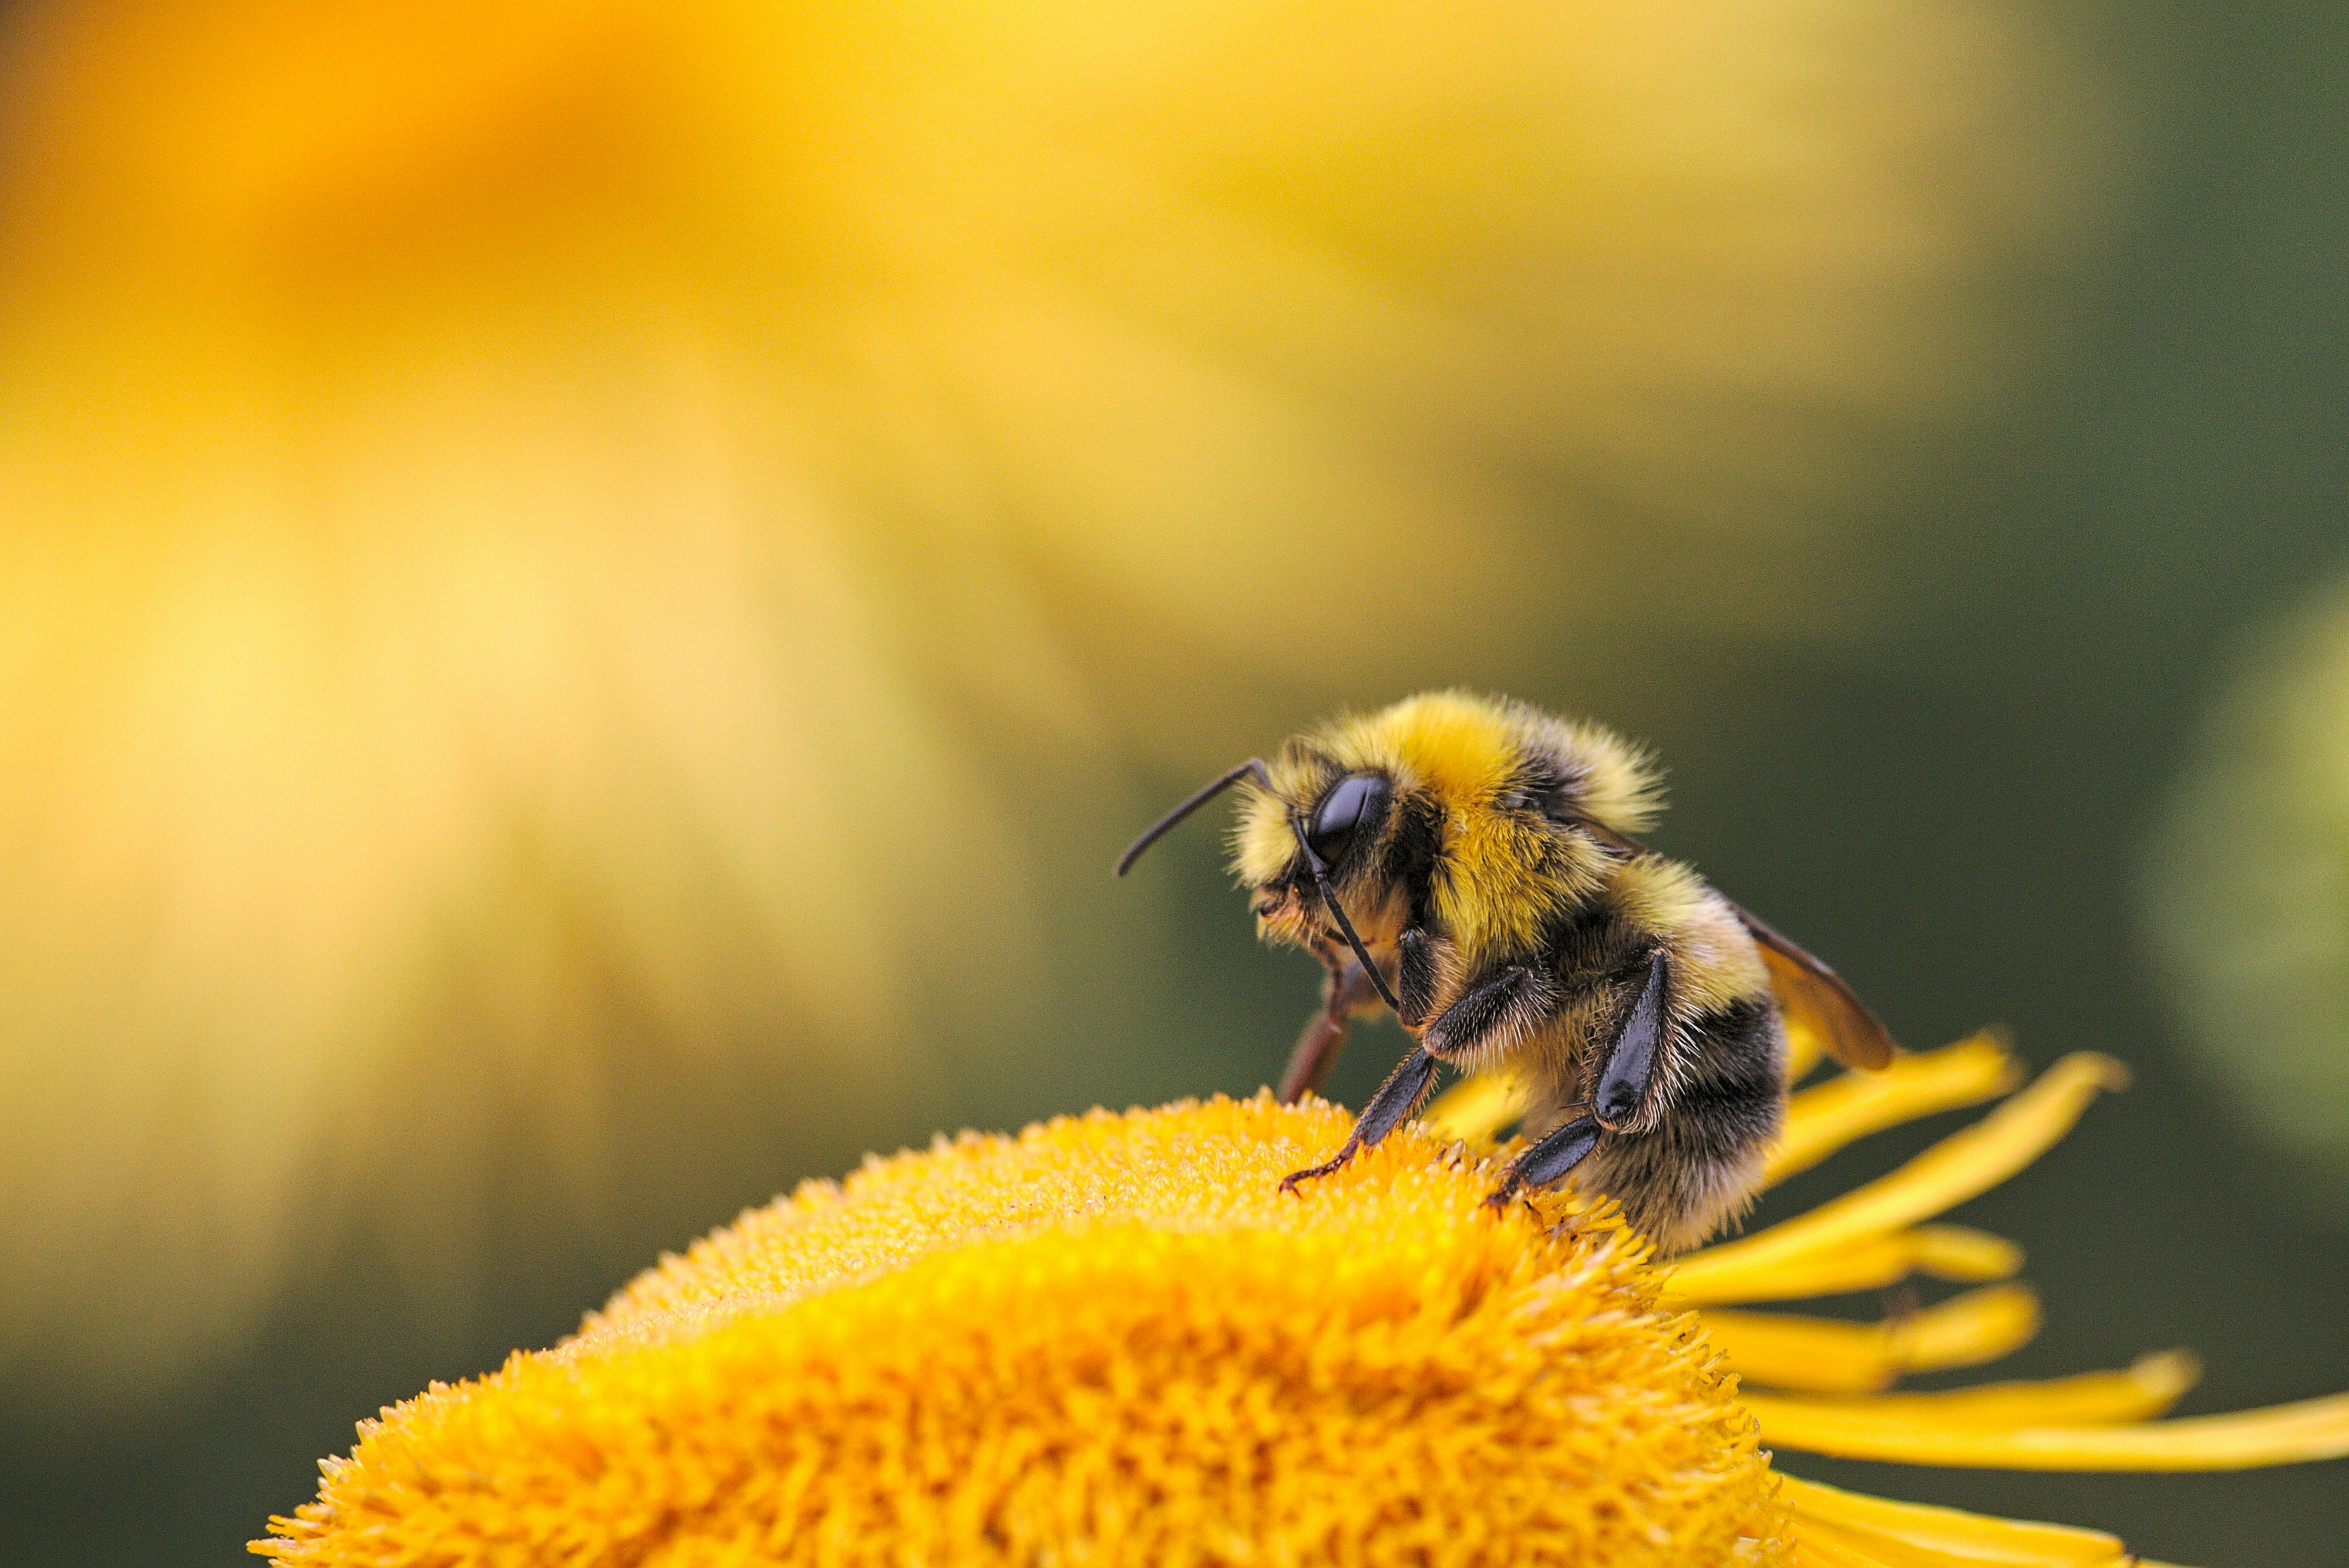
x: 1310, y: 1173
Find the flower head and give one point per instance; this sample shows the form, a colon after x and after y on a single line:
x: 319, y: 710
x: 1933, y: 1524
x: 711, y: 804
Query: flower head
x: 1110, y: 1336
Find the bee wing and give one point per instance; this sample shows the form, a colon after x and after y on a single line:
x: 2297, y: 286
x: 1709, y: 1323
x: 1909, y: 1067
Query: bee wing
x: 1810, y: 995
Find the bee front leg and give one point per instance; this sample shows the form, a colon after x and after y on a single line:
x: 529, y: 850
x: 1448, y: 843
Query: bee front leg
x: 1396, y: 1099
x: 1502, y: 1004
x: 1347, y: 994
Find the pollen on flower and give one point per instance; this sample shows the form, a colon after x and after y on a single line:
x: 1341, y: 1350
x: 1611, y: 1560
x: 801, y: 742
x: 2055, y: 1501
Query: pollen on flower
x: 1111, y: 1339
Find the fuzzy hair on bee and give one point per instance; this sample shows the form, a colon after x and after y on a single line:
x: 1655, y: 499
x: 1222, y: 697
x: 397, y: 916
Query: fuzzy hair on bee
x: 1472, y: 863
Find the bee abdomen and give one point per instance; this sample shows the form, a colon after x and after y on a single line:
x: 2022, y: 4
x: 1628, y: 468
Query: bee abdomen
x: 1700, y: 1163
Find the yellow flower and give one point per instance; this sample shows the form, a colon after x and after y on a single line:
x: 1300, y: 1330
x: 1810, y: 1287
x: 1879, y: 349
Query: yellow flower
x: 1112, y: 1339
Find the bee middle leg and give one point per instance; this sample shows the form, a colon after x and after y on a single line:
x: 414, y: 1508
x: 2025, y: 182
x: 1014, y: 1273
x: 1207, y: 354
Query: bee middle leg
x: 1504, y: 1004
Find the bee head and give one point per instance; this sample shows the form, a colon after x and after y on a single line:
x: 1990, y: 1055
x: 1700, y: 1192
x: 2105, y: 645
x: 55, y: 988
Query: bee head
x: 1317, y: 846
x: 1314, y: 826
x: 1307, y: 831
x: 1473, y: 818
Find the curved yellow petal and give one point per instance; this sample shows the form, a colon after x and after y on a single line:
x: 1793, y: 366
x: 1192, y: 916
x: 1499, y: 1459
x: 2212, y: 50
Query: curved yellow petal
x: 1944, y: 1252
x: 1962, y: 1252
x: 1805, y: 1050
x: 1816, y: 1551
x: 1868, y: 1546
x: 1905, y: 1533
x: 1474, y: 1109
x: 2145, y: 1389
x: 2278, y: 1435
x: 1846, y: 1109
x: 1828, y: 1356
x: 1959, y: 1167
x: 1966, y: 1330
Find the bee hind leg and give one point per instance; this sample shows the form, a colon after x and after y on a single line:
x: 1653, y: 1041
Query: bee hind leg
x: 1549, y: 1160
x: 1623, y: 1085
x: 1396, y: 1099
x: 1631, y: 1058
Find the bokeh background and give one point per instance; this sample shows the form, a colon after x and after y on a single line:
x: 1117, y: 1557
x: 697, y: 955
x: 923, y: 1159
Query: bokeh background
x: 587, y: 591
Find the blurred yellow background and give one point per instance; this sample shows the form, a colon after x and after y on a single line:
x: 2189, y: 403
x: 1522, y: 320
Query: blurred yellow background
x: 2246, y: 891
x: 585, y: 590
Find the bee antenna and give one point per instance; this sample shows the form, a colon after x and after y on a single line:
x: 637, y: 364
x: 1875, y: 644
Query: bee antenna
x: 1321, y: 880
x: 1167, y: 824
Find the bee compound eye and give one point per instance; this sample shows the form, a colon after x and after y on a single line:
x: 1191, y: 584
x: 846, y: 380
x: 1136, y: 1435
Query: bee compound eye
x: 1350, y: 801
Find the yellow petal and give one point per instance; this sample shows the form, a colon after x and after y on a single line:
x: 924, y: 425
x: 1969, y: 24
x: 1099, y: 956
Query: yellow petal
x: 1905, y: 1533
x: 1959, y: 1167
x: 1474, y: 1109
x: 1816, y: 1551
x: 2148, y: 1388
x: 1825, y: 1356
x: 1944, y: 1252
x: 2277, y: 1434
x: 1894, y: 1553
x: 1966, y: 1330
x: 1803, y: 1050
x: 1843, y: 1110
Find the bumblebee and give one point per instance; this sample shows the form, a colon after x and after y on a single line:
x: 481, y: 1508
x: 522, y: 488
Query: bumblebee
x: 1469, y: 863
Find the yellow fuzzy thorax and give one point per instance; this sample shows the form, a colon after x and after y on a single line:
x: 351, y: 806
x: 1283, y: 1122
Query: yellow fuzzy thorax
x: 1112, y: 1339
x: 1505, y: 876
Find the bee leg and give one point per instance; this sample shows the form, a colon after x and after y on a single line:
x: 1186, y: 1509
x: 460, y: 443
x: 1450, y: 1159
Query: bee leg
x: 1316, y: 1051
x: 1632, y: 1060
x: 1623, y: 1091
x: 1396, y: 1099
x: 1414, y: 976
x: 1508, y: 1000
x: 1349, y: 992
x: 1549, y: 1160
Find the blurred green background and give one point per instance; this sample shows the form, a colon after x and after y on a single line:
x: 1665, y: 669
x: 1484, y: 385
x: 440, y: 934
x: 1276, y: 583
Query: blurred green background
x: 588, y: 592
